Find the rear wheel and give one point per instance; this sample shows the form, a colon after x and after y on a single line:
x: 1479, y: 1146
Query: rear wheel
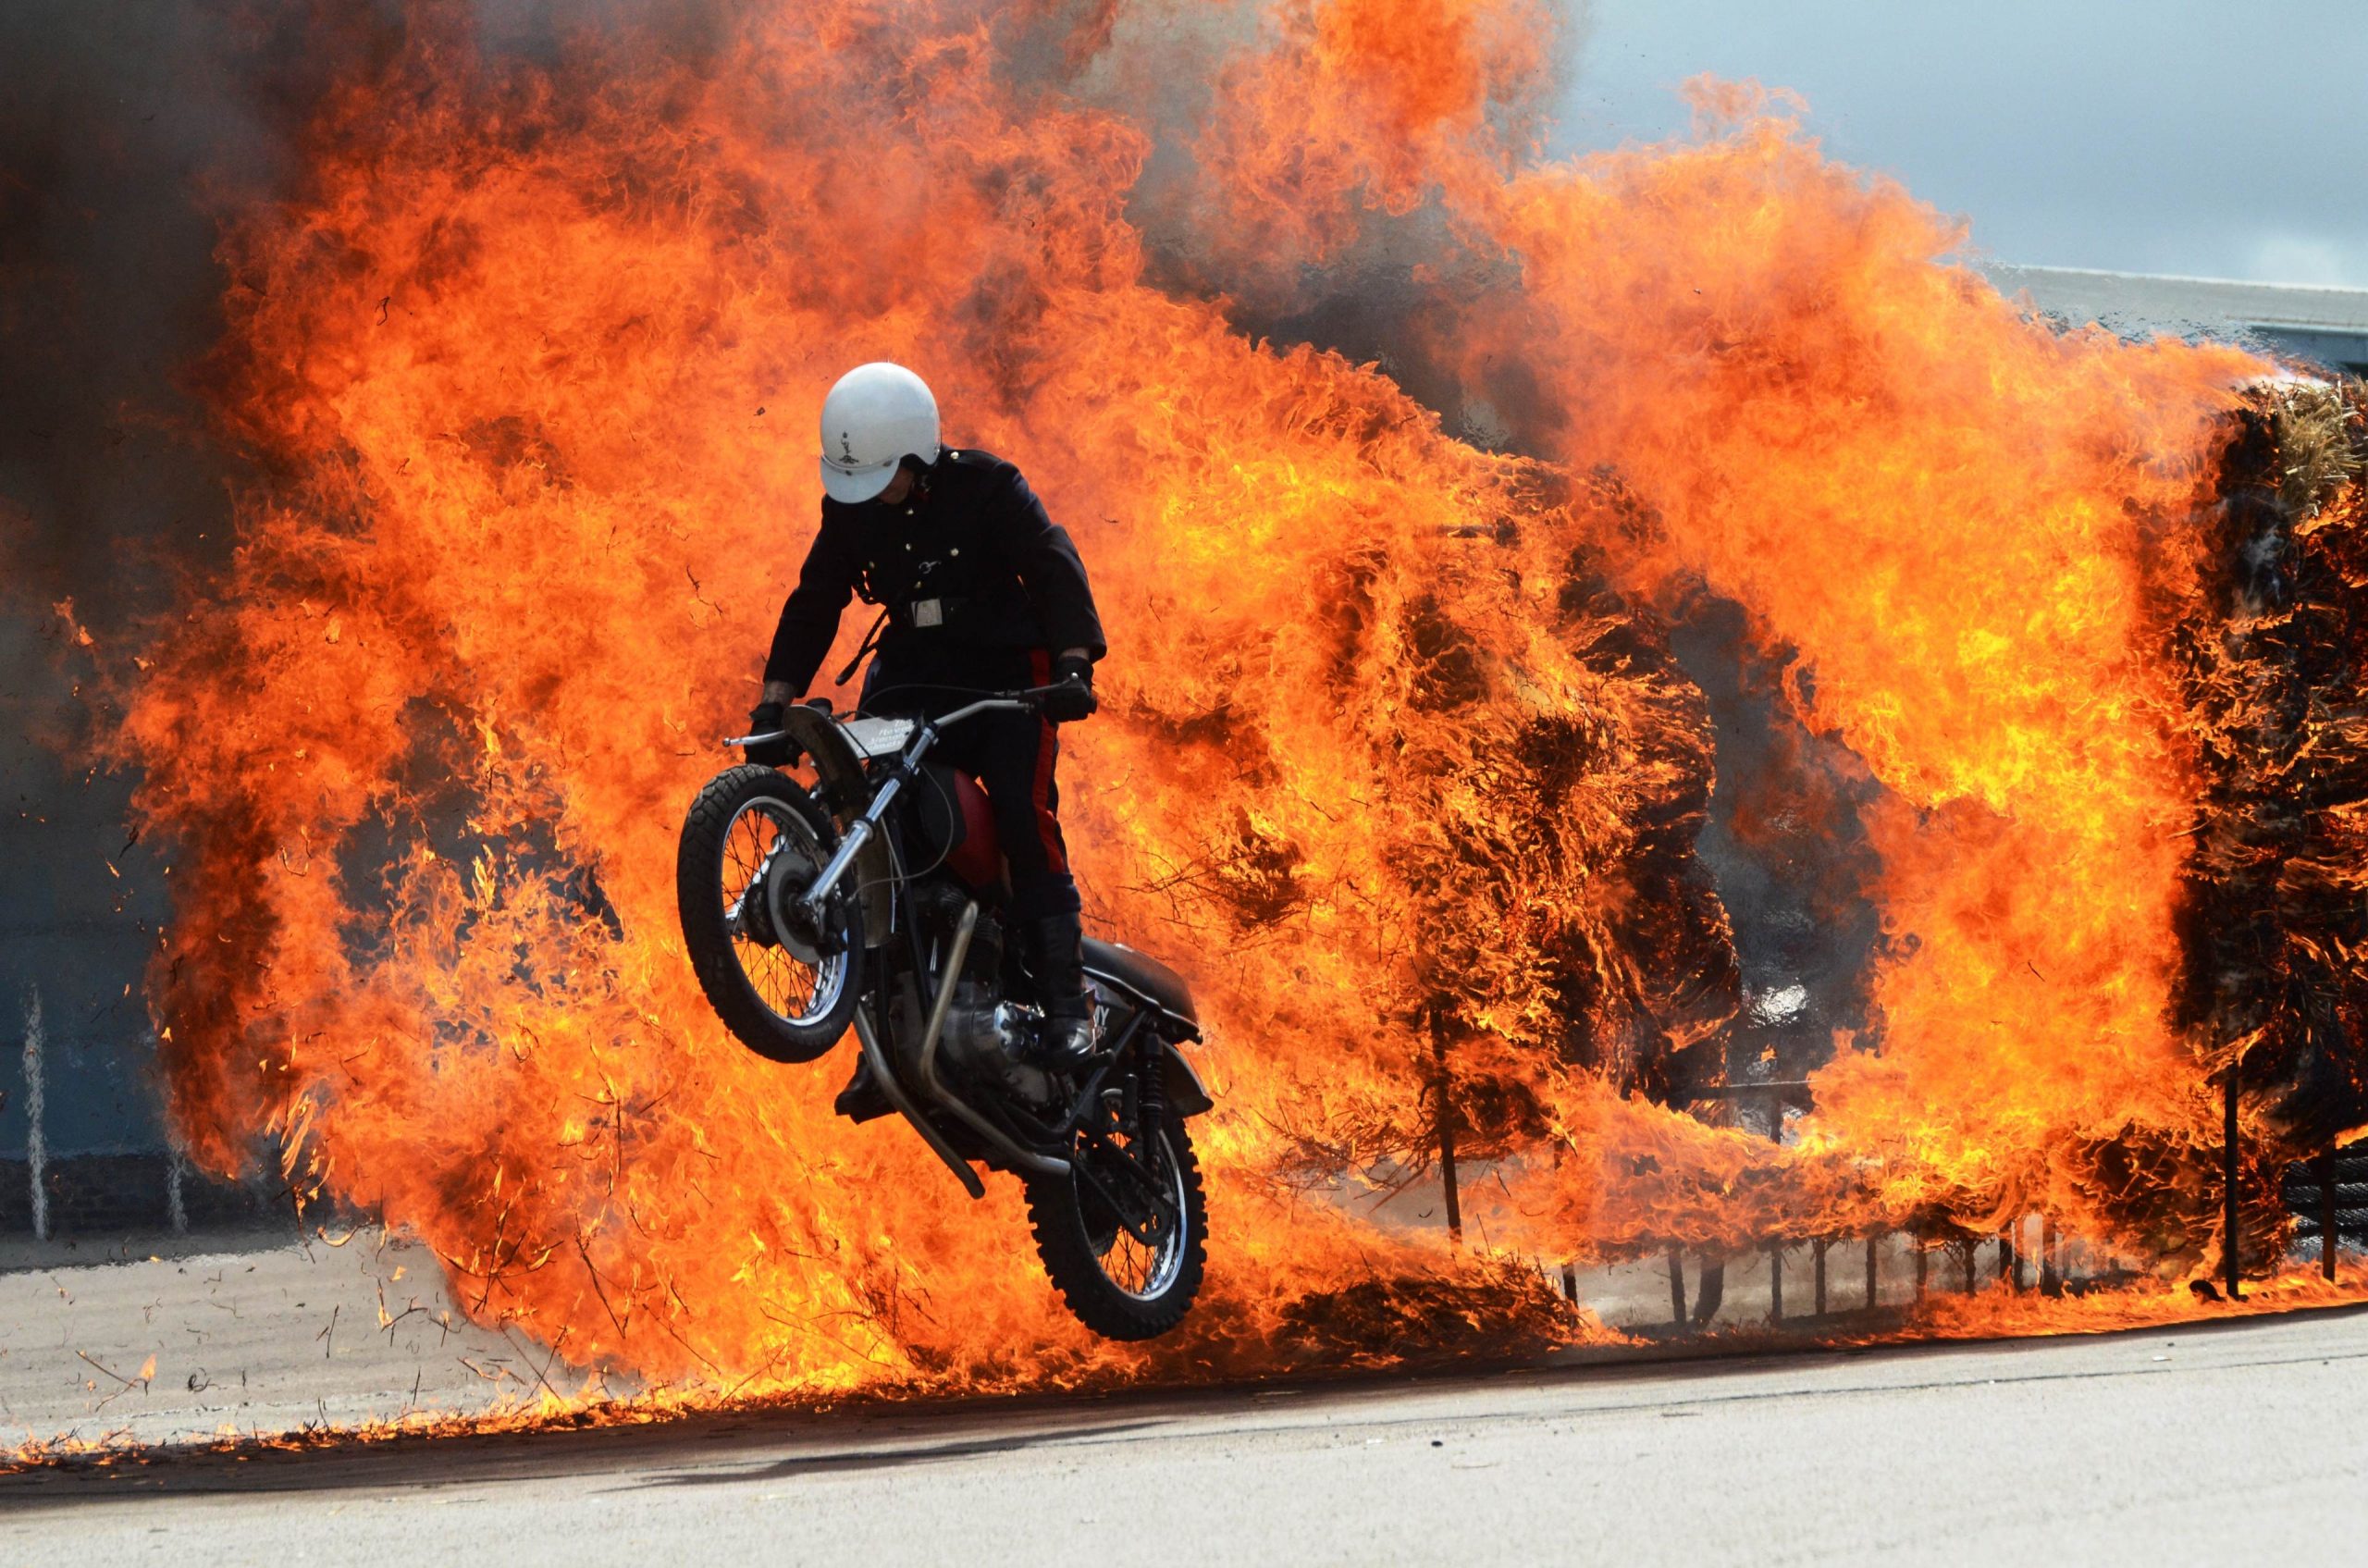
x: 783, y: 983
x: 1122, y: 1235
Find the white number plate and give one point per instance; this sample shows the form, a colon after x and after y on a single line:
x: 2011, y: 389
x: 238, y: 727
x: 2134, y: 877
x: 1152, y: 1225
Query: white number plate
x: 878, y: 738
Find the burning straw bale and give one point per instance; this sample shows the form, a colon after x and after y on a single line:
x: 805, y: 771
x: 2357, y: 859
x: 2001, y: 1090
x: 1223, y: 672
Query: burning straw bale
x: 1608, y: 951
x: 1502, y: 1308
x: 2274, y: 931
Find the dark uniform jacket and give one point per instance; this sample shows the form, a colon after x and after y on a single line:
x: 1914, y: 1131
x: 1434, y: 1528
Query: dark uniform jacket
x: 972, y: 573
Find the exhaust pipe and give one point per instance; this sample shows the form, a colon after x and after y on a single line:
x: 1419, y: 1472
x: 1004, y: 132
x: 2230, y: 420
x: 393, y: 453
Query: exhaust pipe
x: 896, y: 1097
x: 1027, y: 1159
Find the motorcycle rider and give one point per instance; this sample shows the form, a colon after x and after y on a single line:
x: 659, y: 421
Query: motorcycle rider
x: 980, y: 591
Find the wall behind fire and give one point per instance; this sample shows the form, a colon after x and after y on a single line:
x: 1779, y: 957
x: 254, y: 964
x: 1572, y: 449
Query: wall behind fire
x: 122, y: 125
x: 74, y: 937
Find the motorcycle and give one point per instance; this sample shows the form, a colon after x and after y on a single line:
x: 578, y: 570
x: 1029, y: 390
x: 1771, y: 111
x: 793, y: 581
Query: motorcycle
x: 873, y: 898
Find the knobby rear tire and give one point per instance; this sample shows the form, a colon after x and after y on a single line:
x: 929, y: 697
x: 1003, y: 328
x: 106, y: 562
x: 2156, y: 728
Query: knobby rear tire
x: 1076, y: 1269
x: 707, y: 935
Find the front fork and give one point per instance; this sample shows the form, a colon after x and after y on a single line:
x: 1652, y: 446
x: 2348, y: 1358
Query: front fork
x: 859, y: 833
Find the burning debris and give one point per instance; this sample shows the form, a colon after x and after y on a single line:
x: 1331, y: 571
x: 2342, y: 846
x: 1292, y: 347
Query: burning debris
x: 1394, y: 733
x: 2275, y: 927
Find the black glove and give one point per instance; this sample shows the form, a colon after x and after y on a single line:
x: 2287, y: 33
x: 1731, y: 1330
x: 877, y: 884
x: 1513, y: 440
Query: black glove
x: 1071, y: 696
x: 776, y: 753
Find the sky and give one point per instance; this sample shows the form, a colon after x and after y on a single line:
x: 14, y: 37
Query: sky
x: 2226, y: 139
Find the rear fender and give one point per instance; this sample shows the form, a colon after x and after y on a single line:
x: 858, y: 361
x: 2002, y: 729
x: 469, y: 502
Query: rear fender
x: 1185, y: 1096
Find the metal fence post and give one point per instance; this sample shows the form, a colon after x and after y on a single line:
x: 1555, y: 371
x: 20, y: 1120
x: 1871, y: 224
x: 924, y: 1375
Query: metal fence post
x: 176, y: 1168
x: 1677, y: 1287
x: 1709, y: 1289
x: 36, y: 1142
x: 1776, y: 1248
x: 2328, y: 1235
x: 2231, y: 1242
x: 1710, y: 1268
x: 176, y: 1205
x: 1872, y: 1243
x: 1447, y: 1133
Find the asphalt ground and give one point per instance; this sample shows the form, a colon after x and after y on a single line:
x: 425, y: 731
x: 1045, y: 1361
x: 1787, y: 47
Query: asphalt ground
x: 166, y: 1338
x: 2242, y: 1440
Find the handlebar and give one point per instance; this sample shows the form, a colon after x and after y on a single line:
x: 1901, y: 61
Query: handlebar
x: 1023, y: 701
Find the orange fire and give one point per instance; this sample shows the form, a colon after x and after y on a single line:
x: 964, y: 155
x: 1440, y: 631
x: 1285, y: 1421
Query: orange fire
x: 1395, y: 763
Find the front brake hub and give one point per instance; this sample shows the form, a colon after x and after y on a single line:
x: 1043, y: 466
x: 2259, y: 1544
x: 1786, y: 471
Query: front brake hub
x: 792, y: 926
x: 756, y: 911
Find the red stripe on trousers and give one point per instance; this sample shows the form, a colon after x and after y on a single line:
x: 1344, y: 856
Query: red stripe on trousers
x: 1040, y: 795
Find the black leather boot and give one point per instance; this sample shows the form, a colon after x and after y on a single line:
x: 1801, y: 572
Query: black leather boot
x: 1056, y: 945
x: 862, y: 1099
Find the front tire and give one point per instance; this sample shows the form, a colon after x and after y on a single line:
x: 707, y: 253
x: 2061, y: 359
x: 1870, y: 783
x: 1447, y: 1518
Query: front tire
x: 1117, y: 1285
x: 753, y: 840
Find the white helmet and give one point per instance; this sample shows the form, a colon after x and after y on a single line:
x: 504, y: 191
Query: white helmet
x: 877, y: 416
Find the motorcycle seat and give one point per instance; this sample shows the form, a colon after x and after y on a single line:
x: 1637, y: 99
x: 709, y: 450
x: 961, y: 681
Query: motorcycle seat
x: 1145, y: 976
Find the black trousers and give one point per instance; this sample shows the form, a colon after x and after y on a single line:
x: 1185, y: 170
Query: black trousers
x: 1015, y: 756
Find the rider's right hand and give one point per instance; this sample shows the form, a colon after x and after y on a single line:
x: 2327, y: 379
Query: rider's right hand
x: 763, y: 720
x: 1070, y: 696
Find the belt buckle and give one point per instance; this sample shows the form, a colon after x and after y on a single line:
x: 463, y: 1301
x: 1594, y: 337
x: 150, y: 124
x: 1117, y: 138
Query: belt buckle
x: 928, y: 612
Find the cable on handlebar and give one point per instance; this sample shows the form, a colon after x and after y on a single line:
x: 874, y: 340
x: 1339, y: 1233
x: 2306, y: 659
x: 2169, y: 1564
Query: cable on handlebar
x: 870, y: 699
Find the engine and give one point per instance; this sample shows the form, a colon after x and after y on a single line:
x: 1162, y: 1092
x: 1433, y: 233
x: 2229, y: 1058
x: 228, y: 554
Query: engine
x: 986, y: 1038
x: 983, y: 1031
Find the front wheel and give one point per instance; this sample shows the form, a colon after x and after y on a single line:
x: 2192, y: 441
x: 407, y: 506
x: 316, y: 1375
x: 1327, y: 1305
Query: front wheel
x: 1122, y: 1235
x: 785, y: 985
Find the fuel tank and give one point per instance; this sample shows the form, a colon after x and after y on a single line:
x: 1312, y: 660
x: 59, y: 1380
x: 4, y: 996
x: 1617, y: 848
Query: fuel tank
x: 957, y: 828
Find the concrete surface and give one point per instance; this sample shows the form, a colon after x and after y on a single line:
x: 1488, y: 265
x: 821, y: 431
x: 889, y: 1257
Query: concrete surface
x: 244, y: 1334
x: 2237, y: 1442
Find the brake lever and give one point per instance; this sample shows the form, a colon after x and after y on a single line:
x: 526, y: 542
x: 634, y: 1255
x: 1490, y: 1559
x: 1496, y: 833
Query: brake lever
x: 819, y: 704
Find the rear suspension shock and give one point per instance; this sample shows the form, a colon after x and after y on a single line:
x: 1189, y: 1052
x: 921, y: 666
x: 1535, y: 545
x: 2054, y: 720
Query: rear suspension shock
x: 1150, y: 1087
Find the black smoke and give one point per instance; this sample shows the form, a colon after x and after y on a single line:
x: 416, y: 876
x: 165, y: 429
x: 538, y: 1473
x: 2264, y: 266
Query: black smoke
x: 128, y: 129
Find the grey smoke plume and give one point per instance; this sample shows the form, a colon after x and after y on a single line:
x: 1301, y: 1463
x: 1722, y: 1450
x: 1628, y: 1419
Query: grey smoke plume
x: 125, y: 128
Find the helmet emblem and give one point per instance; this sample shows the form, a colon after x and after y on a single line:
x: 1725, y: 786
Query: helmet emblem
x: 847, y: 448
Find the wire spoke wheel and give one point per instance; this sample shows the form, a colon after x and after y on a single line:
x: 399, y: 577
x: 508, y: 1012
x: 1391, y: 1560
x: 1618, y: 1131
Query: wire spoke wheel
x: 783, y: 980
x: 1123, y: 1236
x: 769, y: 856
x: 1138, y: 1239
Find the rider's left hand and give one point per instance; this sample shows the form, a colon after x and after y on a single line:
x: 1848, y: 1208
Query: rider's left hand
x: 1071, y: 696
x: 777, y: 753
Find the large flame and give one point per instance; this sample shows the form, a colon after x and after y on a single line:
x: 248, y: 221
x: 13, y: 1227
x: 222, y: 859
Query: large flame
x: 1395, y: 761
